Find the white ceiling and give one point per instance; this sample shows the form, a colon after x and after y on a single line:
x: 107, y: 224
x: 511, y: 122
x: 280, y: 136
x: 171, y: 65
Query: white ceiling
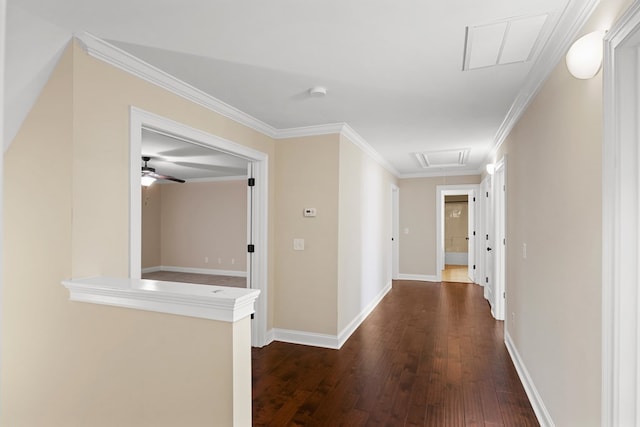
x: 393, y: 69
x: 187, y: 160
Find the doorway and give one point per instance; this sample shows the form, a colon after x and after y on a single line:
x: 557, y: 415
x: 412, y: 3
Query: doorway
x: 456, y: 191
x: 256, y: 213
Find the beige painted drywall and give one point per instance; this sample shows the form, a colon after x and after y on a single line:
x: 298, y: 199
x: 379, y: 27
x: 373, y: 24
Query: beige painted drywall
x: 204, y: 225
x: 151, y: 231
x: 554, y: 204
x: 307, y: 176
x: 66, y: 363
x: 418, y: 216
x: 364, y: 231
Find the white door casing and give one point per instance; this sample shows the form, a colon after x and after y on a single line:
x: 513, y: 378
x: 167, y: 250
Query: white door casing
x: 395, y: 247
x: 487, y: 238
x: 621, y: 222
x: 499, y: 241
x: 453, y: 190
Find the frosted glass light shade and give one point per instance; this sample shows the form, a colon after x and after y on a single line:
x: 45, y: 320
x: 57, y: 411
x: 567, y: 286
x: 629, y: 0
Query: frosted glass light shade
x: 584, y: 58
x: 491, y: 168
x: 147, y: 180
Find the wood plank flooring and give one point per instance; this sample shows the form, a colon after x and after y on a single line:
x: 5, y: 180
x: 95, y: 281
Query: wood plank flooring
x: 430, y: 354
x: 197, y: 278
x: 456, y: 273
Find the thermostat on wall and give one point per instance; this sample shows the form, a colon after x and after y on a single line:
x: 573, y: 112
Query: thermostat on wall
x: 310, y: 212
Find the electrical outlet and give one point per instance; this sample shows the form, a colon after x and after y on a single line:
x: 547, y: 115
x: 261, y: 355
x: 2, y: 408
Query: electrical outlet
x: 233, y: 260
x: 219, y: 260
x: 206, y: 260
x: 524, y: 251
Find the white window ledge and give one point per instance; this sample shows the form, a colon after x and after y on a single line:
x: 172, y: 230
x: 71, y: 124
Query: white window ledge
x: 222, y: 303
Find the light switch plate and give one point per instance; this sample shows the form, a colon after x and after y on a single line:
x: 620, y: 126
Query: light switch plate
x: 309, y: 212
x: 298, y: 244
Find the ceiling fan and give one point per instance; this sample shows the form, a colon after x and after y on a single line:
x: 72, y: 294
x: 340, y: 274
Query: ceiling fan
x: 149, y: 175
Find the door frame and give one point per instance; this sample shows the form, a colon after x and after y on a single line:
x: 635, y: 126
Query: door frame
x: 256, y: 211
x: 499, y: 183
x: 621, y: 222
x: 469, y: 190
x: 395, y: 229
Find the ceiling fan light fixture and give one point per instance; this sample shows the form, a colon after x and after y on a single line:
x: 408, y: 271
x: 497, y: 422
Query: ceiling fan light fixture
x: 147, y: 180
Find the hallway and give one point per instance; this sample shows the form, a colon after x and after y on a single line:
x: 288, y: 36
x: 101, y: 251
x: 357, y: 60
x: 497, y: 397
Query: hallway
x: 429, y: 355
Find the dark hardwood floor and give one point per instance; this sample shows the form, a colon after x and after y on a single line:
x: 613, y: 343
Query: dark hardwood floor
x: 430, y: 354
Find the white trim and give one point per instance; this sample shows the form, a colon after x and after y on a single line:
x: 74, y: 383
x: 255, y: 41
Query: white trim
x: 419, y: 277
x: 620, y: 223
x: 573, y: 18
x: 3, y: 26
x: 117, y: 57
x: 175, y: 269
x: 104, y: 51
x: 221, y: 303
x: 359, y: 141
x: 544, y: 418
x: 344, y: 335
x: 326, y: 340
x: 306, y: 338
x: 316, y: 130
x: 259, y: 161
x: 151, y: 269
x: 395, y: 231
x: 469, y: 190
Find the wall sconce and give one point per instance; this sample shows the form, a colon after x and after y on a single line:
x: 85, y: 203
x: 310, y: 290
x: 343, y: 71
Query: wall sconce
x: 491, y: 168
x: 584, y: 57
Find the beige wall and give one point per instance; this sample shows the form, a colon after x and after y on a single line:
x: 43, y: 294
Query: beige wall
x: 307, y: 177
x: 456, y: 226
x: 151, y: 205
x: 202, y: 220
x: 364, y: 231
x: 418, y: 248
x: 554, y: 206
x: 66, y: 363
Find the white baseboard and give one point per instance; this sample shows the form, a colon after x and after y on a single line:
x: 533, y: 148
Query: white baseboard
x: 325, y: 340
x: 232, y: 273
x: 421, y: 277
x: 544, y: 418
x: 306, y: 338
x: 344, y: 335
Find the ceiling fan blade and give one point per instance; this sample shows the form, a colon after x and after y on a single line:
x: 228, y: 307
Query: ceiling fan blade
x: 167, y: 177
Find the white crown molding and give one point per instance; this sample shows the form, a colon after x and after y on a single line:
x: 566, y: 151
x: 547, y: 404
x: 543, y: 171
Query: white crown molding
x: 328, y: 129
x: 117, y: 57
x: 221, y: 303
x: 360, y: 142
x: 544, y: 418
x: 575, y: 15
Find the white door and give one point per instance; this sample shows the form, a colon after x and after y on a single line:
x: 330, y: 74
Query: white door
x: 487, y: 239
x: 499, y: 194
x: 471, y: 235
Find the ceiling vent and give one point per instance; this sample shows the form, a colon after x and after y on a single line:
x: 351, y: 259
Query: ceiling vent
x: 443, y: 158
x: 504, y: 42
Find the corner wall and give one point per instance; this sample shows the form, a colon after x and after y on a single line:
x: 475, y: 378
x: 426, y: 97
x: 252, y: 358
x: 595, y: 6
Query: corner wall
x: 364, y: 235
